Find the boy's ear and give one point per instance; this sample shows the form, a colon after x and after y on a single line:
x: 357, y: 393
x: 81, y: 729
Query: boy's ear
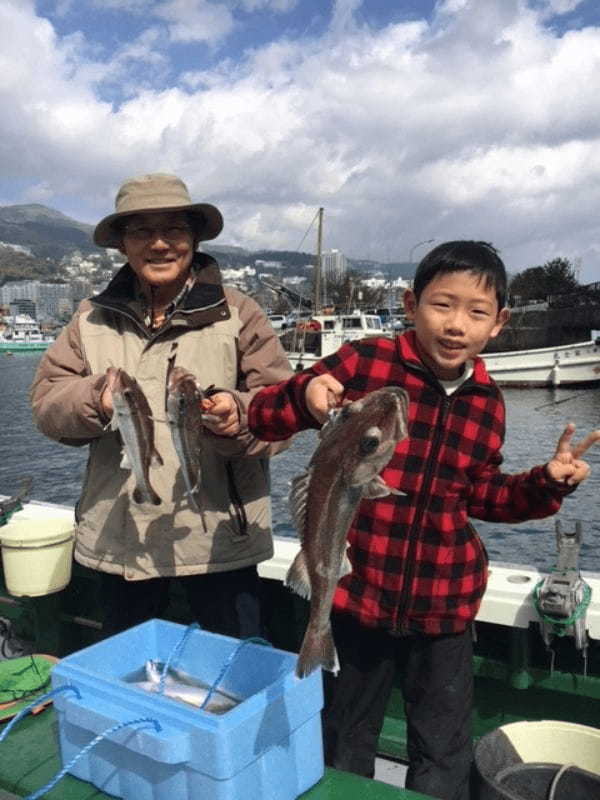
x: 501, y: 320
x: 410, y: 304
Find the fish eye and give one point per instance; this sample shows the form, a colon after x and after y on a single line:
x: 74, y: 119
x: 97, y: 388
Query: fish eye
x: 368, y: 444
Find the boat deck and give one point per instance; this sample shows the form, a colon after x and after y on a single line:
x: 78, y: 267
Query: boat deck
x: 29, y: 759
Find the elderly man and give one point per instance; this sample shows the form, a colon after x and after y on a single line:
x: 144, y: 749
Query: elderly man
x: 167, y: 307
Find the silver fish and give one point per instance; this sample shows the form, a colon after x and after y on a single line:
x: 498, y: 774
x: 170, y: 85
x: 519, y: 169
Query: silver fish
x: 180, y: 686
x: 356, y: 444
x: 184, y: 416
x: 133, y: 418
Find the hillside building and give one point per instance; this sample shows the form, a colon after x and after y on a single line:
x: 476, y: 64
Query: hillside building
x: 334, y: 265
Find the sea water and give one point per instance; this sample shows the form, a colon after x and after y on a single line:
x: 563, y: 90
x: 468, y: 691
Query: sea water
x: 531, y: 437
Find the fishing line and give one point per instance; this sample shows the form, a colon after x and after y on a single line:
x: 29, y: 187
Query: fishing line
x: 308, y: 230
x: 558, y: 402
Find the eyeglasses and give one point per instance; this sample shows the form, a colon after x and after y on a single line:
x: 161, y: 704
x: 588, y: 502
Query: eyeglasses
x: 169, y: 233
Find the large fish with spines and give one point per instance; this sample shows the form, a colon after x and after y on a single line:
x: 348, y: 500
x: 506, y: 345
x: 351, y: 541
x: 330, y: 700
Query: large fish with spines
x: 355, y: 445
x: 133, y: 419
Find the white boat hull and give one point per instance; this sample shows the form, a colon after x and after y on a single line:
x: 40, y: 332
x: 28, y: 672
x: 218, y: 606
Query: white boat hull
x: 508, y: 599
x: 548, y: 366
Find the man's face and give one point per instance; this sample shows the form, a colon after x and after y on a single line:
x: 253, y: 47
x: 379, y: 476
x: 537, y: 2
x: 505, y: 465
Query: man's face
x: 159, y: 247
x: 455, y: 317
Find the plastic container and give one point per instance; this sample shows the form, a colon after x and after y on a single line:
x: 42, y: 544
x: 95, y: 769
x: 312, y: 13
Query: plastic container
x: 268, y: 746
x: 37, y: 554
x: 538, y: 760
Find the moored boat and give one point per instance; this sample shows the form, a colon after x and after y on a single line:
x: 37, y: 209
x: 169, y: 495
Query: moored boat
x: 323, y: 334
x: 23, y: 335
x: 563, y: 365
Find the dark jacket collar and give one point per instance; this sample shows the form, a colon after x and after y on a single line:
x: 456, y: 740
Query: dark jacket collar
x: 205, y: 294
x: 408, y: 352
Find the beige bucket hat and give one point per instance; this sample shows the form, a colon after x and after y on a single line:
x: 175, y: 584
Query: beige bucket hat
x: 156, y: 191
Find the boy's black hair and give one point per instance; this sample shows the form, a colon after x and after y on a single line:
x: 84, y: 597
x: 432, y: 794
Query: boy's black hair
x: 480, y: 258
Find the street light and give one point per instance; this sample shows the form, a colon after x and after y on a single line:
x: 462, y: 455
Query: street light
x: 414, y: 247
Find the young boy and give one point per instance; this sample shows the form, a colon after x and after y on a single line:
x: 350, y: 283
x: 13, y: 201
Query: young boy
x: 419, y: 568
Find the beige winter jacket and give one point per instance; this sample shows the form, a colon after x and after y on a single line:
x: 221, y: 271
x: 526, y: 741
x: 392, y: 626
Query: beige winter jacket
x: 223, y: 338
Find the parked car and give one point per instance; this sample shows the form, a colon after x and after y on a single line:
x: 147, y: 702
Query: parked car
x: 277, y: 321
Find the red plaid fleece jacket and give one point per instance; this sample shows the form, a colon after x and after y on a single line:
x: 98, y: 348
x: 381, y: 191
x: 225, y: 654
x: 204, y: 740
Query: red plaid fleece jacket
x: 418, y: 565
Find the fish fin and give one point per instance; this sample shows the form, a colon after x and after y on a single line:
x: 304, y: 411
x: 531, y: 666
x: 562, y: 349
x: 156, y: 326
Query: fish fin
x: 379, y: 488
x: 297, y: 500
x: 318, y: 650
x: 298, y: 578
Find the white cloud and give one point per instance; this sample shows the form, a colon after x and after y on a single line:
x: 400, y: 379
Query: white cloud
x: 195, y: 20
x: 563, y: 6
x: 281, y: 6
x: 480, y: 122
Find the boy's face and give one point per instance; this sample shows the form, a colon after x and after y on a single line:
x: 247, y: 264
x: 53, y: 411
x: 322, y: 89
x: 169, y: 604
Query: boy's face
x: 454, y: 318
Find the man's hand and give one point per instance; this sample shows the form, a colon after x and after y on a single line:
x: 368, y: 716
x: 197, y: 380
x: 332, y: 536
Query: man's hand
x: 221, y: 414
x: 106, y: 401
x: 566, y: 465
x: 322, y: 394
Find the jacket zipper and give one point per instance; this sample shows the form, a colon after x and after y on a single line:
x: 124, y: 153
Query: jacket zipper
x: 400, y: 626
x: 413, y: 533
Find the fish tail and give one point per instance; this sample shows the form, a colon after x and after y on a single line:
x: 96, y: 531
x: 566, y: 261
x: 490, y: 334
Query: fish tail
x: 318, y: 650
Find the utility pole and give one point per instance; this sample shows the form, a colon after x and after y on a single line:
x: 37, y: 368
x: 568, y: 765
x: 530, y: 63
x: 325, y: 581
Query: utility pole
x: 318, y: 265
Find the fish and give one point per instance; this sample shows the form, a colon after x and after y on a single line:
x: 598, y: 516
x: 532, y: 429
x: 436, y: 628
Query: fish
x: 133, y: 419
x: 356, y: 443
x: 180, y: 686
x: 184, y: 416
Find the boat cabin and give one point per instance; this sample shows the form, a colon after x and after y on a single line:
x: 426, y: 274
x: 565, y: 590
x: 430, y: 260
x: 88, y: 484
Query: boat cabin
x: 323, y: 334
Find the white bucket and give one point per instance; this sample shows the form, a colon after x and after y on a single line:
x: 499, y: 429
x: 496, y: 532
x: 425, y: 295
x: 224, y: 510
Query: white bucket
x: 37, y: 554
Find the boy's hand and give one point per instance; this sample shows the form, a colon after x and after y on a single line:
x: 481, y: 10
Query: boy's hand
x: 322, y: 394
x: 221, y: 414
x: 566, y: 465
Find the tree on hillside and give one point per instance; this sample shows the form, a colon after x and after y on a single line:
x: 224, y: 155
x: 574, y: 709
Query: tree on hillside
x: 536, y: 283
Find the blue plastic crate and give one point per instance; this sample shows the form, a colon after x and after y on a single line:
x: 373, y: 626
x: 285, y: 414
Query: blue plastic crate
x: 268, y: 746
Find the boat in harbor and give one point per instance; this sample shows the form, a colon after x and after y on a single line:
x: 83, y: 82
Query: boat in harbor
x: 523, y: 673
x: 563, y: 365
x: 323, y: 334
x: 23, y: 335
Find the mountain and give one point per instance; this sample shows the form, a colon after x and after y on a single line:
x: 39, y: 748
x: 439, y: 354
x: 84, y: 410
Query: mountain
x: 43, y: 231
x: 34, y: 238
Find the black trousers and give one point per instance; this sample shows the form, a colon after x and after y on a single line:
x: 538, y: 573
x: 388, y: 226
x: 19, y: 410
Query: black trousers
x: 221, y: 602
x: 436, y: 679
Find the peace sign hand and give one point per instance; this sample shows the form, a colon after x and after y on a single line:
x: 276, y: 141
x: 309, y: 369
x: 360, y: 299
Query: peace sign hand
x: 566, y: 465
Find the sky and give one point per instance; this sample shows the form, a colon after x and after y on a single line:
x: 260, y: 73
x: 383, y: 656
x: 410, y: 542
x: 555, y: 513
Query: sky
x: 406, y: 120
